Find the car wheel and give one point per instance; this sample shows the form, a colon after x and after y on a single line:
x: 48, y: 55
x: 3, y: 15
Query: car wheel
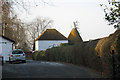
x: 24, y: 61
x: 10, y: 61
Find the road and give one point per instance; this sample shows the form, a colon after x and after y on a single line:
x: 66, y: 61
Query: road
x: 40, y: 69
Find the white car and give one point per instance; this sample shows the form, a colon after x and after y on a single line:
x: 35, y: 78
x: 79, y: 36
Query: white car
x: 17, y: 55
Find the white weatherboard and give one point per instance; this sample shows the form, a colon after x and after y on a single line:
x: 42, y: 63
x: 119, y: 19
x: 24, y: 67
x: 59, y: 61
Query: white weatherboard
x: 6, y: 48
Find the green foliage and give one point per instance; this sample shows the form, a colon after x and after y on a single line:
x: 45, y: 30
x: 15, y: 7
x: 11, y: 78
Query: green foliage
x: 118, y: 43
x: 104, y: 48
x: 95, y: 54
x: 78, y: 54
x: 64, y: 44
x: 112, y: 12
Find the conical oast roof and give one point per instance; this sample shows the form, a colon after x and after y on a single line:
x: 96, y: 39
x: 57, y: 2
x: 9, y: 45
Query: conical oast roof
x: 74, y: 37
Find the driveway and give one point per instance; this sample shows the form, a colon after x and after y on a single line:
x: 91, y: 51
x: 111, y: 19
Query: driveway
x: 41, y: 69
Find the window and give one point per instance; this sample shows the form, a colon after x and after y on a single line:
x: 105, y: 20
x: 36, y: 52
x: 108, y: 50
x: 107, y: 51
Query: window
x: 17, y: 52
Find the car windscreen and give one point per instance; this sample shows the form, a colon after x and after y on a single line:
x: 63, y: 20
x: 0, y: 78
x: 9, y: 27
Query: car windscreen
x: 17, y: 52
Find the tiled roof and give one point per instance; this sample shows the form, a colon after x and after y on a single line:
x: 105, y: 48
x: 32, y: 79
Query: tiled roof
x: 51, y: 34
x: 7, y: 39
x: 74, y: 36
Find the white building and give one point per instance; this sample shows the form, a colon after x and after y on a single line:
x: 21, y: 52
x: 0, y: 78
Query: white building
x: 49, y: 38
x: 6, y: 46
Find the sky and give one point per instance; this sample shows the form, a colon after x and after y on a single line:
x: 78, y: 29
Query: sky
x: 88, y: 13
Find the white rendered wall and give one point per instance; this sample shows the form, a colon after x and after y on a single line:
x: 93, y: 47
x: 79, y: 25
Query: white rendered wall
x: 36, y: 45
x: 6, y: 48
x: 45, y: 44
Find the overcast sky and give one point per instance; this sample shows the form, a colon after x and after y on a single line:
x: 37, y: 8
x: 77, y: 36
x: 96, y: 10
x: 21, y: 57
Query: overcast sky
x: 88, y: 13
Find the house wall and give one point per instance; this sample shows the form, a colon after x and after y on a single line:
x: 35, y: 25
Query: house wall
x: 6, y: 48
x: 45, y: 44
x: 36, y: 45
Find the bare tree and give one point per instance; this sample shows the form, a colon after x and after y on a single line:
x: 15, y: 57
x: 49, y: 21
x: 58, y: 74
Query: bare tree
x: 18, y: 31
x: 36, y: 27
x: 40, y: 24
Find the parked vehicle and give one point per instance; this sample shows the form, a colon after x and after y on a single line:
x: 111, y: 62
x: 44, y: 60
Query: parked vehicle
x: 17, y: 55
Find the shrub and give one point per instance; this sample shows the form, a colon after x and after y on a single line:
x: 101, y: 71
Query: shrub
x: 95, y: 54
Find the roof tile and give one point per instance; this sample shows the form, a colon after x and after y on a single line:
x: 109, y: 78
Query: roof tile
x: 51, y: 34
